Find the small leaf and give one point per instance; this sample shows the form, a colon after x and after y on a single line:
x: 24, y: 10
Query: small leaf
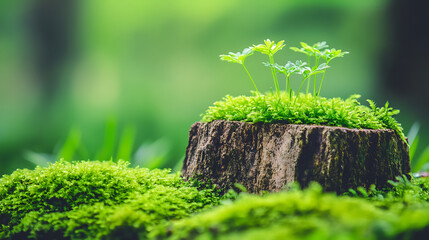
x: 320, y: 45
x: 237, y: 57
x: 329, y: 54
x: 269, y: 47
x: 267, y: 64
x: 247, y: 51
x: 314, y: 72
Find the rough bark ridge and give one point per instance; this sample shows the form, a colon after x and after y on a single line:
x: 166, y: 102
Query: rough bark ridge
x: 264, y: 157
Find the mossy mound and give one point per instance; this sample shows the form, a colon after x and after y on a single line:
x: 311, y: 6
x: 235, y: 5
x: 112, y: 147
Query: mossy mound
x: 105, y: 200
x: 312, y: 214
x: 304, y: 109
x: 94, y: 200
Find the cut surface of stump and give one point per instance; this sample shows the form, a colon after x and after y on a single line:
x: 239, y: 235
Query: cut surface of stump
x: 265, y: 157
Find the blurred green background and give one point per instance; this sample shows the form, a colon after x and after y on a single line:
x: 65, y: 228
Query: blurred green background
x: 106, y: 79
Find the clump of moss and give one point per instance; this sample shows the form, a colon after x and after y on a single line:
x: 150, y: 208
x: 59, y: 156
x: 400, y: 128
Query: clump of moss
x: 106, y: 200
x: 310, y: 214
x: 94, y: 200
x: 304, y: 109
x: 404, y: 193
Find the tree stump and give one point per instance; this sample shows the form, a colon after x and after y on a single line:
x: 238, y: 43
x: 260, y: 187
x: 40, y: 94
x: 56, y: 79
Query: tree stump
x: 265, y: 157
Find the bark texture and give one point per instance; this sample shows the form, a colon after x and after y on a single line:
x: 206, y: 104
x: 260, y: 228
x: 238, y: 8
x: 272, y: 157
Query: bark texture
x: 264, y: 157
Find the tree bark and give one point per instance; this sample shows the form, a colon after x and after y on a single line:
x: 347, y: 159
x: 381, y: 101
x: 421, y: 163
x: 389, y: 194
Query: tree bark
x: 265, y: 157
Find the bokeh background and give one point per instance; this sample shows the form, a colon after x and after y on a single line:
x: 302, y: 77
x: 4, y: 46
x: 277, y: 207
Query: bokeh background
x: 108, y: 79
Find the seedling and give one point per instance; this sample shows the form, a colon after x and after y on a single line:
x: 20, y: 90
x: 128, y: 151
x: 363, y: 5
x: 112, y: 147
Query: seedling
x: 311, y: 51
x: 328, y: 55
x: 307, y: 72
x: 299, y: 68
x: 239, y: 58
x: 288, y: 69
x: 270, y: 48
x: 317, y: 51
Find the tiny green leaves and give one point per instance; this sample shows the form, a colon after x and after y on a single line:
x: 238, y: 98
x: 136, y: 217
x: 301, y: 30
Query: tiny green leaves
x: 269, y: 47
x: 238, y: 57
x: 320, y: 45
x: 299, y: 67
x: 289, y: 68
x: 321, y: 68
x: 329, y: 54
x: 318, y: 51
x: 313, y: 50
x: 301, y: 50
x: 309, y: 71
x: 318, y: 59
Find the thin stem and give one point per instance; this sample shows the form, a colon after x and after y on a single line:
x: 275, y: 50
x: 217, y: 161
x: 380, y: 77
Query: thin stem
x: 287, y: 83
x: 250, y: 78
x: 273, y: 71
x: 321, y: 82
x: 308, y: 83
x: 315, y: 76
x: 323, y: 77
x: 303, y: 80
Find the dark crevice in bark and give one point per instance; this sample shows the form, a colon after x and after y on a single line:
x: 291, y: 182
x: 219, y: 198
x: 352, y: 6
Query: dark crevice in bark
x: 305, y: 163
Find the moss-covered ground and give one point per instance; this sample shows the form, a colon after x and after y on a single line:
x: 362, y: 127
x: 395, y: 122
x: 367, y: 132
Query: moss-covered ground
x: 106, y: 200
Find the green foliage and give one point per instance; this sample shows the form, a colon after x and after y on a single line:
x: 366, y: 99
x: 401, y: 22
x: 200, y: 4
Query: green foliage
x: 94, y: 200
x: 106, y: 200
x: 312, y: 214
x: 113, y: 147
x: 413, y: 140
x: 269, y: 48
x: 299, y: 68
x: 316, y: 51
x: 118, y: 145
x: 300, y: 108
x: 304, y: 109
x: 239, y: 58
x: 420, y: 162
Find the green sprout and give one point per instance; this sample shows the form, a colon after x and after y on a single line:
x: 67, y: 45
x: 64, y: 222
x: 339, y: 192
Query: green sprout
x: 311, y: 51
x: 316, y: 51
x: 239, y: 58
x: 320, y: 45
x: 288, y: 69
x: 307, y: 72
x: 270, y: 48
x: 328, y: 55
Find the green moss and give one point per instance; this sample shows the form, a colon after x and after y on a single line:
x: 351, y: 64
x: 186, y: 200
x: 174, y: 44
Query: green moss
x: 304, y: 109
x: 311, y: 214
x: 105, y: 200
x: 92, y: 200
